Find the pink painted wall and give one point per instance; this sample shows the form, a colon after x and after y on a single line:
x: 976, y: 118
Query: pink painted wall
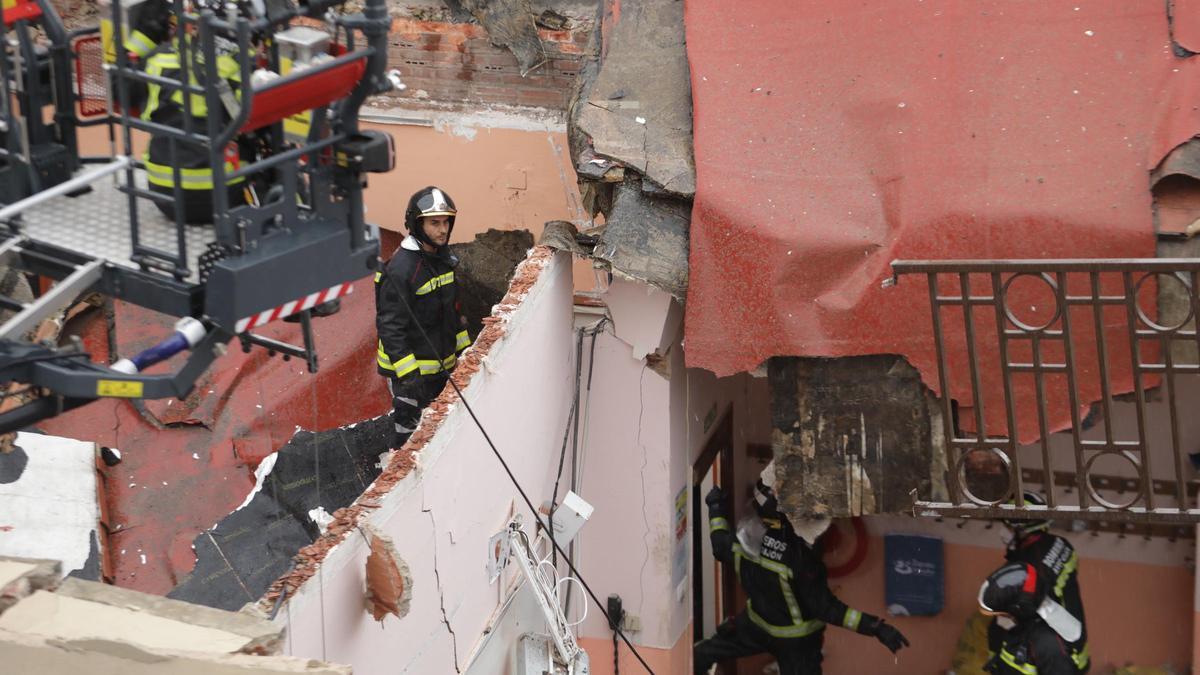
x: 629, y: 546
x: 442, y: 514
x: 674, y: 661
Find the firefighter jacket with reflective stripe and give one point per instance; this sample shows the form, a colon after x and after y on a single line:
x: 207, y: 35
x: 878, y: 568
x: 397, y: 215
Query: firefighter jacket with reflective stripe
x: 787, y: 590
x: 1035, y: 649
x: 414, y: 288
x: 1055, y: 560
x: 165, y: 107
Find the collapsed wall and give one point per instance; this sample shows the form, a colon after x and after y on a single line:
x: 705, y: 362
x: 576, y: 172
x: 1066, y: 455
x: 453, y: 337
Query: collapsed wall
x: 442, y: 496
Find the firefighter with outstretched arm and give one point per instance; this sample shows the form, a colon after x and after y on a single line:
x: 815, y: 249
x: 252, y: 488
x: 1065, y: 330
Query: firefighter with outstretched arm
x: 788, y: 597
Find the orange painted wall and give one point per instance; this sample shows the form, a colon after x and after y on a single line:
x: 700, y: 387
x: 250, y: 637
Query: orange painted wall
x: 502, y: 178
x: 508, y: 179
x: 674, y: 661
x: 1136, y: 613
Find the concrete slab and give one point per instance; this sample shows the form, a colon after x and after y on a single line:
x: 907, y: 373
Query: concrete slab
x: 49, y: 507
x: 54, y: 616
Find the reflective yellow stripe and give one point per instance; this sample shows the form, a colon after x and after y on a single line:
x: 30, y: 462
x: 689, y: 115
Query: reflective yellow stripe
x: 790, y: 599
x: 718, y: 523
x: 139, y: 43
x: 431, y: 367
x: 462, y: 341
x: 227, y: 69
x: 1067, y: 570
x: 156, y: 66
x: 436, y: 283
x: 1026, y: 668
x: 378, y: 276
x: 192, y: 179
x: 851, y: 619
x: 778, y: 568
x: 1081, y: 657
x: 798, y: 630
x: 402, y: 367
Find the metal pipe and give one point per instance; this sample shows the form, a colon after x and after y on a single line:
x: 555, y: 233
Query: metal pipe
x: 71, y: 185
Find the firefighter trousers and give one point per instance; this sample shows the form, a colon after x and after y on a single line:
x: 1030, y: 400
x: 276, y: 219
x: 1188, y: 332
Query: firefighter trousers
x: 738, y: 637
x: 409, y: 398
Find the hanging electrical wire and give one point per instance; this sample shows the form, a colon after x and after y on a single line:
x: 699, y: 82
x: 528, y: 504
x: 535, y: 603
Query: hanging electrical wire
x: 524, y: 496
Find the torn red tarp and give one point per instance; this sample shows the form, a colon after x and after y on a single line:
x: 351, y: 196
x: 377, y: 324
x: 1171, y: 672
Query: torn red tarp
x: 833, y: 137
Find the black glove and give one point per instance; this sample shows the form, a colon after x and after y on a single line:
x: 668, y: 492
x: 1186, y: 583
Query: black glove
x: 890, y: 637
x: 716, y: 502
x: 715, y: 497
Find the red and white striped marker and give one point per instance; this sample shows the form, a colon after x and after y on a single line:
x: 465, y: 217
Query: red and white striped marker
x: 288, y: 308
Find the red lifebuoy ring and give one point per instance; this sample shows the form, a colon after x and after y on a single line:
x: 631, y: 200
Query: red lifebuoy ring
x: 833, y: 541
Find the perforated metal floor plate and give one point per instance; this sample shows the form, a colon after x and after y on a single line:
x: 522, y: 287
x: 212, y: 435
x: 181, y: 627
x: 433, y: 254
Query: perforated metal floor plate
x: 97, y: 224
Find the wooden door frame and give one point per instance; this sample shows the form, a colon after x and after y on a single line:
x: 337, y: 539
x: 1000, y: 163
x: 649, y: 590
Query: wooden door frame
x: 720, y: 439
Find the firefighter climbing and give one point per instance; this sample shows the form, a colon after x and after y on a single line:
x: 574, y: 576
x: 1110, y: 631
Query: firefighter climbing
x: 421, y: 329
x: 788, y: 598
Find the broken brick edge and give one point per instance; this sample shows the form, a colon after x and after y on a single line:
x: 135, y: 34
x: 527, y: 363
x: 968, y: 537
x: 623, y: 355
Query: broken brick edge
x: 401, y: 463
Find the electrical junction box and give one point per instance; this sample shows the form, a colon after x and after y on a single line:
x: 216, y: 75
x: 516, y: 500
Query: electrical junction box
x: 300, y: 44
x: 536, y: 655
x: 569, y: 517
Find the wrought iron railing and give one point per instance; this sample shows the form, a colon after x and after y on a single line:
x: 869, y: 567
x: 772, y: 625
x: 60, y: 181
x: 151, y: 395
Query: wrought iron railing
x: 1025, y: 347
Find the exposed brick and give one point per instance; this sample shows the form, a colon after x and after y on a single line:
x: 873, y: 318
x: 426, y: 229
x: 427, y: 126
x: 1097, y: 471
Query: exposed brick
x: 567, y: 48
x: 542, y: 98
x: 566, y: 64
x: 556, y: 35
x: 458, y: 63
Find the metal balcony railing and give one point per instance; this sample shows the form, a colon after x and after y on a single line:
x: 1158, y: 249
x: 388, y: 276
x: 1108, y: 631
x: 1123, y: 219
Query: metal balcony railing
x: 1043, y: 340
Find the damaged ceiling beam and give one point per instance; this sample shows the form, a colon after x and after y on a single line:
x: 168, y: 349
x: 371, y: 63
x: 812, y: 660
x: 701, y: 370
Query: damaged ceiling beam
x: 853, y: 436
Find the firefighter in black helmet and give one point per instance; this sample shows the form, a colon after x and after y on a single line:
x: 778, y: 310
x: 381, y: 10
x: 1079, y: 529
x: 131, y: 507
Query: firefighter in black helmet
x: 1056, y: 562
x: 788, y: 598
x: 1040, y: 631
x: 421, y: 331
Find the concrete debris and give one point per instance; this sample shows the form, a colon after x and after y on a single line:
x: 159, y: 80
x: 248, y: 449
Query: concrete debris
x: 510, y: 24
x: 485, y: 267
x: 593, y: 167
x: 51, y: 494
x: 82, y: 626
x: 21, y: 577
x: 564, y: 236
x: 320, y: 517
x: 648, y: 127
x: 552, y: 20
x: 630, y: 133
x: 110, y: 456
x: 646, y: 238
x: 250, y: 634
x: 389, y: 583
